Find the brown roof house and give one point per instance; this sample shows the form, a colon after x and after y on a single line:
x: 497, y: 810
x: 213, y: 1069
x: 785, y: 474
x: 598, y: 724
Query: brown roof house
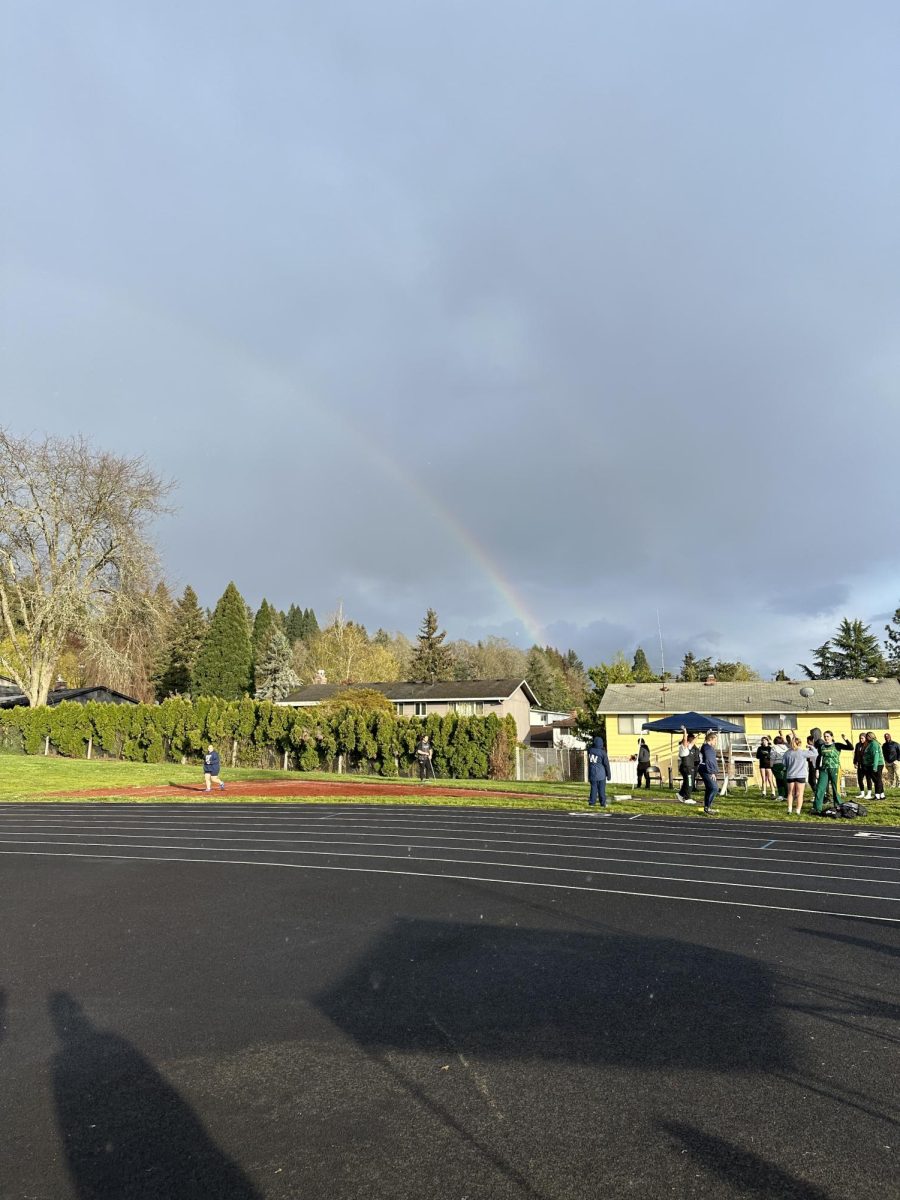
x: 473, y: 698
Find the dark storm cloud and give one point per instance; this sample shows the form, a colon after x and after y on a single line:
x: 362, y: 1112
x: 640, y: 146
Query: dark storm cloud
x: 613, y: 288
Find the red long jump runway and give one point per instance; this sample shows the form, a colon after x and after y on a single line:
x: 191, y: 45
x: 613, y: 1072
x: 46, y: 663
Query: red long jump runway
x: 290, y: 789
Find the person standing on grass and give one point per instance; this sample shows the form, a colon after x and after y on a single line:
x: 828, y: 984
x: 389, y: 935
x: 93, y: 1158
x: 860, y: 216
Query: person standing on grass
x: 859, y: 762
x: 598, y: 772
x: 424, y: 754
x: 211, y: 768
x: 874, y: 768
x: 779, y: 750
x: 812, y: 746
x: 688, y: 761
x: 764, y: 758
x: 829, y: 765
x: 643, y: 763
x: 796, y: 773
x: 891, y: 752
x: 709, y: 772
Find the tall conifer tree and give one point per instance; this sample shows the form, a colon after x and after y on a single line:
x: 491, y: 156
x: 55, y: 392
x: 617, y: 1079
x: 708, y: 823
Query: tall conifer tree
x: 431, y: 659
x: 186, y: 633
x: 264, y: 625
x: 223, y: 666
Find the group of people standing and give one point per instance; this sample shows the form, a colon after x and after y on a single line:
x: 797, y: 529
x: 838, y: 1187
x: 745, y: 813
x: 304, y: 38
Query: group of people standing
x: 698, y: 762
x: 786, y: 766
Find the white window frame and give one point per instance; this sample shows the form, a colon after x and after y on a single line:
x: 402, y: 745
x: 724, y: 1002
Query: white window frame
x: 421, y: 708
x: 865, y: 721
x: 630, y: 723
x: 776, y: 721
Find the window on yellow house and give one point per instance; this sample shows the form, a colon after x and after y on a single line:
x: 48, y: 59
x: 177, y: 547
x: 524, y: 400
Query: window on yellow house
x: 735, y: 720
x: 869, y: 721
x: 632, y: 724
x: 776, y: 722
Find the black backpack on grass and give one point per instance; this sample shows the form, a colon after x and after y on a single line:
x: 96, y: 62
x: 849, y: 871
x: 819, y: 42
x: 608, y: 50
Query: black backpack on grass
x: 851, y: 809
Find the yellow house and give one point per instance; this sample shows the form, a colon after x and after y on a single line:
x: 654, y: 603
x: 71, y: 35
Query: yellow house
x: 846, y: 706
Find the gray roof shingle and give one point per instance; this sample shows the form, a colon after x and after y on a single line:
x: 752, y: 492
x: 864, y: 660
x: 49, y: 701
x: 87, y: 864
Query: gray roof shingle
x: 835, y: 695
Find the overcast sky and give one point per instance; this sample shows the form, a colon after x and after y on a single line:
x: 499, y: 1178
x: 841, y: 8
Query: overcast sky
x: 560, y: 312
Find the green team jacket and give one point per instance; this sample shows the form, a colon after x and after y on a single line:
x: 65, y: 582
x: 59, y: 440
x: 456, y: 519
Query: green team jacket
x: 874, y: 758
x: 830, y: 756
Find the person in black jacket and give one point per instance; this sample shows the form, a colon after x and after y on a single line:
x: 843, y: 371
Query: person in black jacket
x: 764, y: 758
x: 859, y: 761
x: 643, y: 763
x: 211, y: 768
x: 891, y: 752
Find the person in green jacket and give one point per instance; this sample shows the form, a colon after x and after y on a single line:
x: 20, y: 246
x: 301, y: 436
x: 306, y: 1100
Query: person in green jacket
x: 873, y: 760
x: 829, y: 765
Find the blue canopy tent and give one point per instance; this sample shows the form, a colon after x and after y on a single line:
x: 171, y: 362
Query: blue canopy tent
x: 693, y: 722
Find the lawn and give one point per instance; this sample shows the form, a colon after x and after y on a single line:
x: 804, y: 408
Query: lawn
x: 35, y: 778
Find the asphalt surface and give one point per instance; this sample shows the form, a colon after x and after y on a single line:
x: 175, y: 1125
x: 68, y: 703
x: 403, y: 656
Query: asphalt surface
x: 299, y: 1002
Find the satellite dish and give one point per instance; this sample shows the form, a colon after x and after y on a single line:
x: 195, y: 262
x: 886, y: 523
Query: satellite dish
x: 806, y: 692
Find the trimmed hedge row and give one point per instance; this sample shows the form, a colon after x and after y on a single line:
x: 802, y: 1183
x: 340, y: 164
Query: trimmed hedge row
x: 251, y: 733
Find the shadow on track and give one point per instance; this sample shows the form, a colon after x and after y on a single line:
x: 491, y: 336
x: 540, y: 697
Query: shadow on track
x: 748, y: 1174
x: 127, y: 1133
x: 847, y: 939
x: 509, y: 993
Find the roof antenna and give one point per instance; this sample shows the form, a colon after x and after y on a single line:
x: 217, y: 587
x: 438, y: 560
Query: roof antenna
x: 662, y: 655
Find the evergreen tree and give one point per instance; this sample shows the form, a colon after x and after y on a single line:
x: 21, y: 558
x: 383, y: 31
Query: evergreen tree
x: 275, y: 676
x: 223, y: 666
x: 294, y: 624
x: 856, y: 651
x: 694, y: 669
x: 892, y: 644
x: 823, y: 665
x: 781, y: 676
x: 853, y: 653
x: 310, y: 624
x: 264, y: 625
x: 431, y: 659
x: 186, y: 631
x: 640, y: 668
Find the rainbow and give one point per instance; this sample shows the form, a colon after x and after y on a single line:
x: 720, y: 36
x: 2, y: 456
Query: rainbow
x: 461, y: 534
x: 278, y: 381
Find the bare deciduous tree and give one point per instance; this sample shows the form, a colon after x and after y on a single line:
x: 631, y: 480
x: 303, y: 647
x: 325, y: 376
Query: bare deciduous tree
x: 75, y: 557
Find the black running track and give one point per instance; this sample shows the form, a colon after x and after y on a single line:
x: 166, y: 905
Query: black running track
x: 294, y: 1001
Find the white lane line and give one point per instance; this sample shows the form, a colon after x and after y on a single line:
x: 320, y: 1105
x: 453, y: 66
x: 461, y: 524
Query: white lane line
x: 476, y: 862
x: 137, y: 823
x: 23, y: 838
x: 768, y: 844
x: 603, y: 838
x: 376, y: 816
x: 560, y: 887
x: 338, y: 810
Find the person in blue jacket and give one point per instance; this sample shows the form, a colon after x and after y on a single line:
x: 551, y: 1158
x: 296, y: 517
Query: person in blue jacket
x: 211, y: 768
x: 598, y: 772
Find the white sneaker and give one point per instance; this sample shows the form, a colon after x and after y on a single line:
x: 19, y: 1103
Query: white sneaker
x: 689, y: 802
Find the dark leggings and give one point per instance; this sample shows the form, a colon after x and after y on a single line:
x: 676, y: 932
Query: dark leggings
x: 643, y: 773
x: 877, y: 781
x: 862, y: 776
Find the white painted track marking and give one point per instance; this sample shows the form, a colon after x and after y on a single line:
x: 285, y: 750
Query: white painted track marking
x: 478, y: 862
x: 642, y: 839
x: 562, y: 887
x: 22, y: 837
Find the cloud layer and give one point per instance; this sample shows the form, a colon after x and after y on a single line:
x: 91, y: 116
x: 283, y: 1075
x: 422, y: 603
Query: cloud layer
x: 613, y: 292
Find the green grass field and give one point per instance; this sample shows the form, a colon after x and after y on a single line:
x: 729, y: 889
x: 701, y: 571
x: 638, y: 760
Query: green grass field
x: 24, y: 778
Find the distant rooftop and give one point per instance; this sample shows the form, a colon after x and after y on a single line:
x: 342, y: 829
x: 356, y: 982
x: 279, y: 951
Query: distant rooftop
x: 839, y: 695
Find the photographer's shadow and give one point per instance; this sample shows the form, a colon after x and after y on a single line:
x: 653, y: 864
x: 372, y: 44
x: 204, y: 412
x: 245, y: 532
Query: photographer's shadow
x: 127, y: 1133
